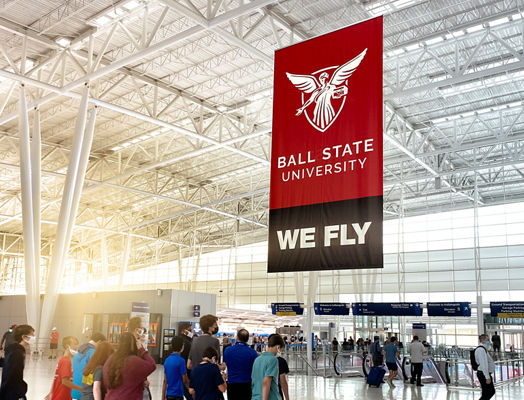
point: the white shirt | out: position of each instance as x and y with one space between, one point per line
484 360
417 351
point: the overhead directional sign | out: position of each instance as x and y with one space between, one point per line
287 309
461 309
507 309
388 309
331 308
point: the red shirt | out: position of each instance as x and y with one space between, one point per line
63 370
54 336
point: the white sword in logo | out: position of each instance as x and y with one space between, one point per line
323 92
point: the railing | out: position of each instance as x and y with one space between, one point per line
506 371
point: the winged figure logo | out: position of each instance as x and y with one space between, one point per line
324 90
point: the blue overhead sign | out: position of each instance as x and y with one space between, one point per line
419 326
462 309
398 309
287 309
507 309
331 308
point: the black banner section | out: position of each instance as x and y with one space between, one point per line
461 309
394 309
507 309
344 234
287 309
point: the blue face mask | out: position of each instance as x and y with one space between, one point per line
488 342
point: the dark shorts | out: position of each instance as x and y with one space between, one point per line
53 346
392 366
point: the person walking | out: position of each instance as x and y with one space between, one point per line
334 345
391 354
63 380
175 372
283 370
186 334
13 386
417 351
239 360
206 381
53 343
209 326
8 339
495 341
376 352
351 343
125 371
92 386
265 375
81 359
486 367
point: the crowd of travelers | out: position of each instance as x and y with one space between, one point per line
194 370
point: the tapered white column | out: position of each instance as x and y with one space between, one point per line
36 173
65 221
311 294
31 281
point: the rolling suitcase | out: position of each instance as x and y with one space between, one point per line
375 376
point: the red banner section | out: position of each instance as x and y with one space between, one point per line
326 166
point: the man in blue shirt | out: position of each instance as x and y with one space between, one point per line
391 354
239 360
175 373
265 375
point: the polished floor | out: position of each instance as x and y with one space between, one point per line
39 375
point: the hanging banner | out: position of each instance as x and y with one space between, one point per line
388 309
331 308
461 309
287 309
507 309
326 165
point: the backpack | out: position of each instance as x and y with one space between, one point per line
474 363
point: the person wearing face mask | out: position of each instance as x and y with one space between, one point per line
8 338
81 359
185 331
136 327
63 381
265 376
13 386
486 368
209 325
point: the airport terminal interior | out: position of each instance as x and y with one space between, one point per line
136 168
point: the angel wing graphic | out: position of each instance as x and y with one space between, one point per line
322 92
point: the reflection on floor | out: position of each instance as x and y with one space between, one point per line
39 375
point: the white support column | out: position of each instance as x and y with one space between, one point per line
123 270
80 177
58 259
311 294
103 256
31 281
36 173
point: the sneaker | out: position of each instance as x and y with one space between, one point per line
420 384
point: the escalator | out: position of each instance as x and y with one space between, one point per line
349 364
434 371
